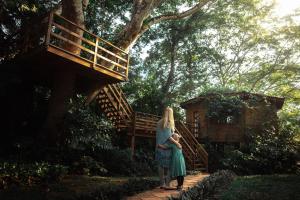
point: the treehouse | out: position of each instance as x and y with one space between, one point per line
231 127
55 47
55 44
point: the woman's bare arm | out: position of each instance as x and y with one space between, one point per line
162 146
175 142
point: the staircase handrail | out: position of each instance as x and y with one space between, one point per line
202 152
119 97
190 155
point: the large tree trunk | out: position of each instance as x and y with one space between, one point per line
132 31
171 76
64 78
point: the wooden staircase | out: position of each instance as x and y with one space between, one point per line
195 154
113 103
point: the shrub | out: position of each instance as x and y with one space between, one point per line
209 186
88 166
29 174
116 192
267 152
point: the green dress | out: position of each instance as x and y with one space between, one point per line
177 163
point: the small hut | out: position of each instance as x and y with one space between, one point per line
254 111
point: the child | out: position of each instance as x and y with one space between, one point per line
177 164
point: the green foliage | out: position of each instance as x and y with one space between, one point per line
116 192
83 188
268 152
88 166
84 128
15 17
209 186
275 187
119 162
29 174
220 107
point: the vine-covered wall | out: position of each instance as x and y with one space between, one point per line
227 118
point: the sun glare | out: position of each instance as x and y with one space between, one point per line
285 7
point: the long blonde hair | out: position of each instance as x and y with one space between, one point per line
167 120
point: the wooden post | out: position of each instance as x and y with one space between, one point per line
49 29
96 52
133 136
127 67
92 93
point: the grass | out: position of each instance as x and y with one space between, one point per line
77 187
265 187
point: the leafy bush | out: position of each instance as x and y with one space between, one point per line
145 162
116 192
88 166
267 187
29 174
209 186
84 128
267 152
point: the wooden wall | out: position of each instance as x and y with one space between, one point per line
201 109
253 117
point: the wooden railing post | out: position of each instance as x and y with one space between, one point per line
133 136
95 52
49 29
127 67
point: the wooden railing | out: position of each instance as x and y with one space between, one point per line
63 34
119 100
144 124
114 104
194 128
193 143
189 153
145 121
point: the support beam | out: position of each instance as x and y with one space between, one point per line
92 93
133 136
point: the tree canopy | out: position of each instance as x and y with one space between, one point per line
180 49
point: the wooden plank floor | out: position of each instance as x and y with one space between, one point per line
161 194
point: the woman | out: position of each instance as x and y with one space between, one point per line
177 165
164 130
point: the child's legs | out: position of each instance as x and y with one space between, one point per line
180 180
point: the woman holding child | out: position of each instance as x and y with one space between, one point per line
167 147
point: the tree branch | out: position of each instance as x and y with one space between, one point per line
175 16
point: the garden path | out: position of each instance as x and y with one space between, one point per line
160 194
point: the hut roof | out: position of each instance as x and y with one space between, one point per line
277 101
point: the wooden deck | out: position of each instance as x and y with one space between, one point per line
58 44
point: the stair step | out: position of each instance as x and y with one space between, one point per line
203 169
199 164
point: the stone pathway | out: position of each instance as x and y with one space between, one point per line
160 194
